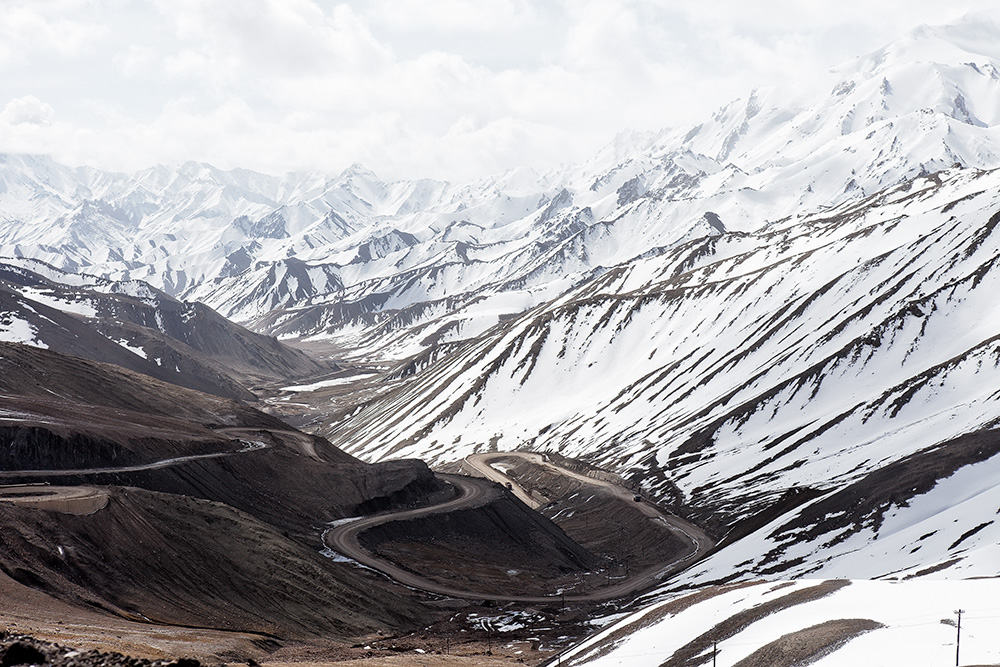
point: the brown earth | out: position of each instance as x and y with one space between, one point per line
500 547
26 610
181 557
79 500
227 545
186 344
694 653
809 644
29 372
18 649
176 560
105 416
46 434
607 526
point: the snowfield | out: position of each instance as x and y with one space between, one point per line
910 623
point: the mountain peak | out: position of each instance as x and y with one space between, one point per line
357 171
973 39
952 70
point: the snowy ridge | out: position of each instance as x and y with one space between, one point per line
358 253
731 369
780 322
756 317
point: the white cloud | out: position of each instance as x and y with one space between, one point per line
284 38
451 16
27 110
445 88
135 61
40 27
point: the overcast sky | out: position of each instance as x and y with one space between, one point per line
441 88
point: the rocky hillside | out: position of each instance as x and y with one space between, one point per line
778 322
138 327
182 555
159 503
733 369
176 560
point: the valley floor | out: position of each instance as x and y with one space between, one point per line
476 630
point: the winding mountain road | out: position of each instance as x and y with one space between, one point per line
473 492
249 446
700 542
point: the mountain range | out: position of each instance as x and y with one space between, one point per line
778 322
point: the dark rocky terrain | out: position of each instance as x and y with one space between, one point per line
18 649
199 511
138 327
502 546
176 560
612 528
177 554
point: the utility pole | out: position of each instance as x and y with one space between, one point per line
958 633
715 649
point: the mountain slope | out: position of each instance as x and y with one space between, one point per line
815 622
387 269
727 371
218 524
138 327
177 560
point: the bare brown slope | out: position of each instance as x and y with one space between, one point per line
107 417
183 561
286 488
181 556
32 372
75 335
809 644
187 344
60 412
499 546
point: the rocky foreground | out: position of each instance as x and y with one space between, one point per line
17 649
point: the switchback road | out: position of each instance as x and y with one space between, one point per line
474 492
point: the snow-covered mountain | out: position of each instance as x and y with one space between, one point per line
386 269
750 316
809 355
781 321
829 623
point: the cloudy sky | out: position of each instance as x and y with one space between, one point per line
442 88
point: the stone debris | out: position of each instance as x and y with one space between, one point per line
16 649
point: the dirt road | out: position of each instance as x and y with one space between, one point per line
475 492
79 500
700 542
249 446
